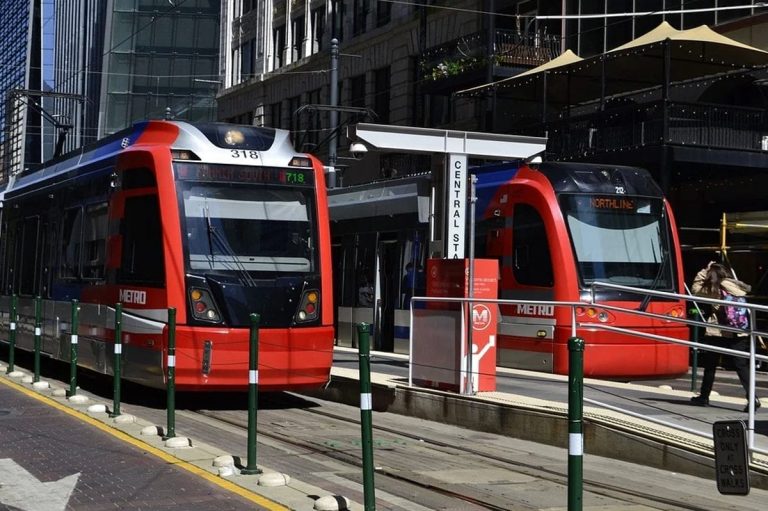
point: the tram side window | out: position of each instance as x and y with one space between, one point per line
94 241
71 235
11 237
5 258
532 264
28 259
142 257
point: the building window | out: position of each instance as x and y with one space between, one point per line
249 5
338 12
438 110
383 13
278 47
312 134
294 123
381 94
357 91
318 29
359 15
247 60
276 115
416 106
297 35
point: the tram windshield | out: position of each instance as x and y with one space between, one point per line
239 227
623 240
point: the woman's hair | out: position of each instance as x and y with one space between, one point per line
715 275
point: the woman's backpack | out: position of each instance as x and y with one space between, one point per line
734 315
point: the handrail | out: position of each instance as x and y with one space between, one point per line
751 355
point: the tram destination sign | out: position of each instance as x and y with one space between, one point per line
731 460
243 174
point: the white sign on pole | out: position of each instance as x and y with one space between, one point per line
456 206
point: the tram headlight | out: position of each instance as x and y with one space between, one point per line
308 306
594 313
202 305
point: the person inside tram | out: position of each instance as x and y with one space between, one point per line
365 292
718 281
412 284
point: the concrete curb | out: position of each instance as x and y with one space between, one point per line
295 495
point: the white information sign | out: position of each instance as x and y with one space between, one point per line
456 206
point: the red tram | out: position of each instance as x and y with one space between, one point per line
217 221
556 228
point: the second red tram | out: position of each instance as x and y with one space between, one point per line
556 229
217 221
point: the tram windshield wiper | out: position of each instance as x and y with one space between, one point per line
662 266
215 236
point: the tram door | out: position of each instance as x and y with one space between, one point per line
388 262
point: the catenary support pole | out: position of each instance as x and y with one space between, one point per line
38 336
12 318
73 349
366 419
575 423
333 115
118 361
170 430
253 392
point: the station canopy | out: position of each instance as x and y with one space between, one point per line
662 56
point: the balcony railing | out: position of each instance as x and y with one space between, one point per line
697 125
470 52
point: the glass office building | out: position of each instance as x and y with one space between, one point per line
22 61
137 59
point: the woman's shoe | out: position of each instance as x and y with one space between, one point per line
757 405
700 401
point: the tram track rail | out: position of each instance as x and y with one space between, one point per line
558 477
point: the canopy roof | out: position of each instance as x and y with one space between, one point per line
564 59
636 65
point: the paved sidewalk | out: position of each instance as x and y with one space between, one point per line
51 460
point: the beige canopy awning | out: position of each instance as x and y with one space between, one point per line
662 55
564 59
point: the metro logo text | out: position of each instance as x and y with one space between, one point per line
525 309
133 296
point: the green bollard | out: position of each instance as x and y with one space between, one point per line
253 389
575 423
171 383
38 336
366 419
117 369
12 319
73 350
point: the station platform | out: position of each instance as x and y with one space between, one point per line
56 455
652 423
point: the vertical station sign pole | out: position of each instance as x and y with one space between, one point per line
455 215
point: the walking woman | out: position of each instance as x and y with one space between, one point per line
716 281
